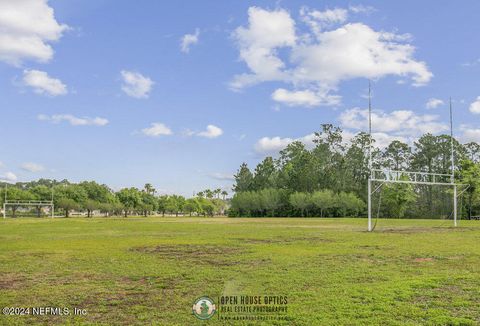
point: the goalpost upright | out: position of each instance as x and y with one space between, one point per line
408 177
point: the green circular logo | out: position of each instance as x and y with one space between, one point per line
204 308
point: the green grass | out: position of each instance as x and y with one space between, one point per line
150 270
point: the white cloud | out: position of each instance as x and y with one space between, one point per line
222 176
272 145
434 103
42 83
400 122
321 58
472 63
475 106
211 132
188 40
26 29
73 120
8 177
157 129
382 139
318 20
187 132
266 31
305 98
470 134
32 167
361 9
135 84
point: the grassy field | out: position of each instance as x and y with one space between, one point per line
129 271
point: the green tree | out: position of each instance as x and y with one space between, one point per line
130 199
70 197
271 199
243 179
191 206
175 204
396 198
149 202
265 175
397 156
224 194
323 200
149 189
162 204
67 204
300 201
470 175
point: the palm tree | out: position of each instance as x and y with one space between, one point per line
224 194
208 193
149 189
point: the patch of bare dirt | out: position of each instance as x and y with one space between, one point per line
422 260
200 254
285 240
12 281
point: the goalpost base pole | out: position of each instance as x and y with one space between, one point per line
4 211
369 205
455 205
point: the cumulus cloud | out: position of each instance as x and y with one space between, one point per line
272 145
188 40
8 177
318 20
258 43
470 134
157 129
222 176
475 106
306 98
135 84
42 83
73 120
32 167
400 122
27 27
434 103
211 132
323 56
361 9
383 139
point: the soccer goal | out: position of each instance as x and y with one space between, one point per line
380 177
39 204
14 204
447 191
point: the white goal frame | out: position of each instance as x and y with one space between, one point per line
25 203
408 177
41 203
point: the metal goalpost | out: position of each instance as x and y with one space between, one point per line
25 203
383 176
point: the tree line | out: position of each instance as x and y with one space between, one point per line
89 197
330 179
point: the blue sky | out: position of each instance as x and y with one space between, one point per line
180 93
